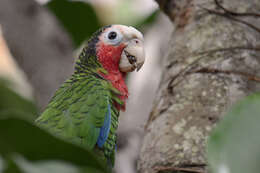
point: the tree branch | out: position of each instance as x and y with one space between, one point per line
235 13
215 71
227 15
172 168
188 69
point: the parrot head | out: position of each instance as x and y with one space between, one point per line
121 48
118 49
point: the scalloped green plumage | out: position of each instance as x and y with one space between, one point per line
77 111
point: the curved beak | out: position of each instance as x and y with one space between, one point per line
133 55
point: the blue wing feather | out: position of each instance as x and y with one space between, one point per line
104 130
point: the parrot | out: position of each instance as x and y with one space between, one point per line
86 107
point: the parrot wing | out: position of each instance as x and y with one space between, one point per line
80 111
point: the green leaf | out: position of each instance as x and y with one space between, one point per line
1 164
11 167
18 136
78 18
44 166
25 148
19 164
12 102
234 146
23 165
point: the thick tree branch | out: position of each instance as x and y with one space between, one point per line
211 64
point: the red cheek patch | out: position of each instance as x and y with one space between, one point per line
109 56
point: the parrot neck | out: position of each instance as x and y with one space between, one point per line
109 56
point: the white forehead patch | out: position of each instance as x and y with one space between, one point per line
129 32
123 34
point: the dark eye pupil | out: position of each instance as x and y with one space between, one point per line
112 35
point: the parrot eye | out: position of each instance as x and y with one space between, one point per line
113 37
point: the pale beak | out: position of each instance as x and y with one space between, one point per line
133 56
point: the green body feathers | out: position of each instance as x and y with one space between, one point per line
77 112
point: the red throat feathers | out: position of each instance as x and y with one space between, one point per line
109 56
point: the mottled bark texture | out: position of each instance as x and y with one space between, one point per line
39 45
212 62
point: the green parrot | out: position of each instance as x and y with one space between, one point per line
85 109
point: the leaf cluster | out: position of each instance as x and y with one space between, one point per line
26 148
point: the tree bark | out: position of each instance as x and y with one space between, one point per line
213 61
39 44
